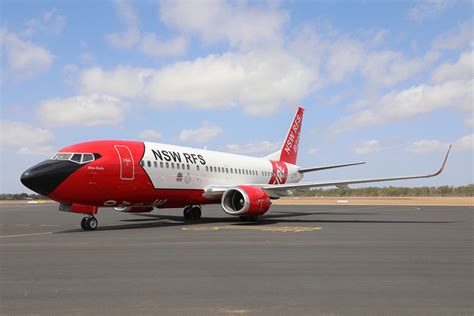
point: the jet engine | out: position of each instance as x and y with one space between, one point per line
245 201
133 209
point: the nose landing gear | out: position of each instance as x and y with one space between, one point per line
192 213
89 223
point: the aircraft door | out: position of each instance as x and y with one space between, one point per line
127 165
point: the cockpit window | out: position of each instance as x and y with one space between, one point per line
61 156
77 157
87 158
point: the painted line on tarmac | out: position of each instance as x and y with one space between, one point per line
26 235
279 229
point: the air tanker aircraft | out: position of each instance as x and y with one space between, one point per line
136 177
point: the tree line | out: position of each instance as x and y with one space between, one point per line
442 191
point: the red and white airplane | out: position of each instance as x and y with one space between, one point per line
135 177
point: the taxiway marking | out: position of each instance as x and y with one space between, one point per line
279 229
26 235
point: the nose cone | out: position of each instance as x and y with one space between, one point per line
46 176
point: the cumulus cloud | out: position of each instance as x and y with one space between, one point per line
123 40
51 22
260 83
425 9
150 135
203 134
24 60
408 103
154 47
26 138
370 146
455 39
90 110
464 143
240 24
253 148
463 69
425 146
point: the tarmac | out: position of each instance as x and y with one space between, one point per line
297 260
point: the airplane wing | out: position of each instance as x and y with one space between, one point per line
304 170
288 189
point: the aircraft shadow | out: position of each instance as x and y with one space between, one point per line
156 221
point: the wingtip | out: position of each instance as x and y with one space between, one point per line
444 161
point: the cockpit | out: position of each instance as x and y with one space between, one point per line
79 158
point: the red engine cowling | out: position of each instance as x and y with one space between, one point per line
134 209
245 200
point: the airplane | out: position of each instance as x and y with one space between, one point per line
137 177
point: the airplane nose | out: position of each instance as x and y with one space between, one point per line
46 176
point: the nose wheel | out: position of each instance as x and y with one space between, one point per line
89 223
192 213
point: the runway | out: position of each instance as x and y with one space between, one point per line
297 260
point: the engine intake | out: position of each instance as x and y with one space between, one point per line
245 201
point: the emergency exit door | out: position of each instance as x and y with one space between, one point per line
127 166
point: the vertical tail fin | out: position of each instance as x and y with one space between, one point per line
289 150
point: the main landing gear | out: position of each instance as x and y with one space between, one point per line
89 223
192 213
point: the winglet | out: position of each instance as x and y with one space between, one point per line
444 162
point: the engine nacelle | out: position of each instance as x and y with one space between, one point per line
245 200
133 209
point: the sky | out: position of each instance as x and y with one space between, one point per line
385 82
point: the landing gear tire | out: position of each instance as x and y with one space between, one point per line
192 213
196 213
89 223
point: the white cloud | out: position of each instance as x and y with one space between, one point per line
426 146
370 146
91 110
203 134
345 57
463 69
127 39
28 139
425 9
455 39
253 148
154 47
239 24
150 135
24 60
408 103
49 23
465 143
259 82
127 13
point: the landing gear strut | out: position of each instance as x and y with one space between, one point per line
192 213
89 223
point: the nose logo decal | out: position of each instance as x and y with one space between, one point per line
280 173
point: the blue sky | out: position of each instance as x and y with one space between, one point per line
389 83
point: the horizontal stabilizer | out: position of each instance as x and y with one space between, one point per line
303 170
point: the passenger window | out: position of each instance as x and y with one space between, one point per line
197 167
172 165
177 166
167 165
188 167
155 164
142 163
149 163
207 169
231 170
161 164
183 166
227 170
87 158
76 158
